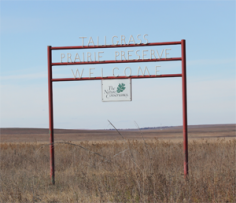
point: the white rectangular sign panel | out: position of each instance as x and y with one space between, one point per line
116 90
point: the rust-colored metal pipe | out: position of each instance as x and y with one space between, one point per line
116 46
50 102
118 77
116 61
184 98
184 87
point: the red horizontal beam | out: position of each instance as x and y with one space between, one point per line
118 77
115 61
116 46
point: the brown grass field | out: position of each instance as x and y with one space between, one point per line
101 166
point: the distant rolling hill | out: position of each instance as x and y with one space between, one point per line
167 132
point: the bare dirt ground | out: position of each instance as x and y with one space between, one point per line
195 132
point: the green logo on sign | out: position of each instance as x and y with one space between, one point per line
121 87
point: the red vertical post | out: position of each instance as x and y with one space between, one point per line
184 98
50 102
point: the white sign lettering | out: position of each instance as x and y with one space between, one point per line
115 72
118 55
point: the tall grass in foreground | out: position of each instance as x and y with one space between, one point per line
132 171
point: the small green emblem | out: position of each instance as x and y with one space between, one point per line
121 87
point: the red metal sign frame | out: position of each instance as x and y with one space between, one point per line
51 80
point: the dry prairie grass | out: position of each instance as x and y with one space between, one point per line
227 131
128 171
